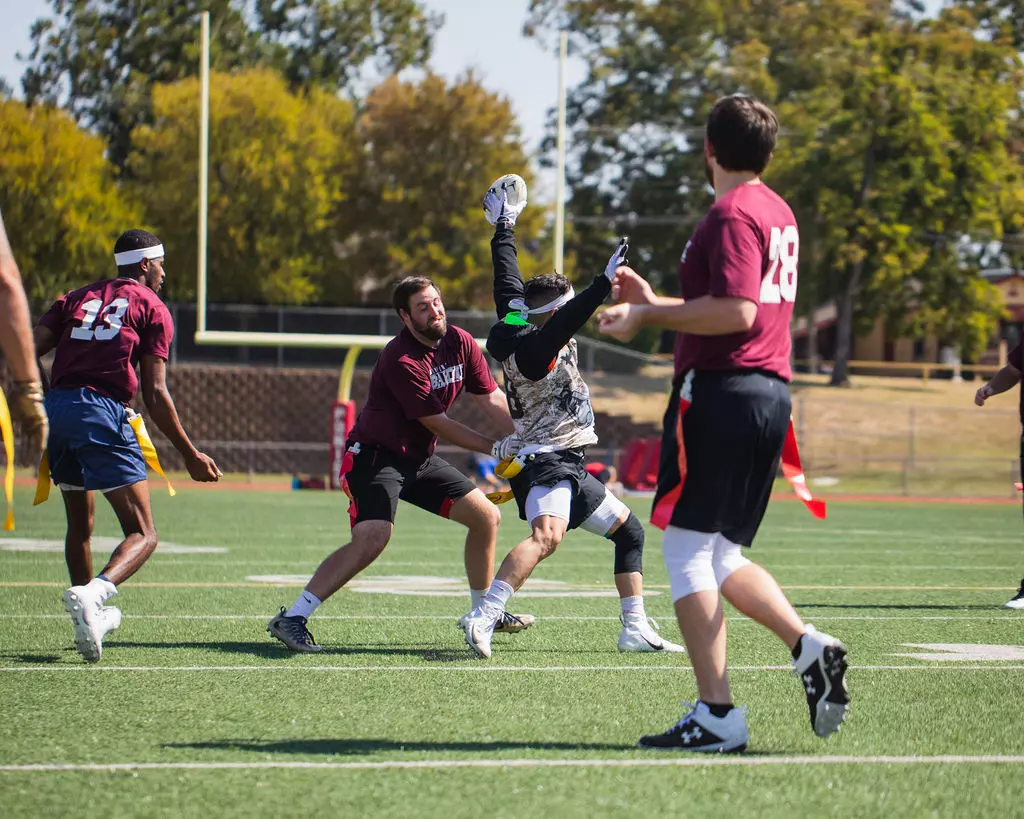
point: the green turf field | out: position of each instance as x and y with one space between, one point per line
194 711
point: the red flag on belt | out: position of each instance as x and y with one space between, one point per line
791 468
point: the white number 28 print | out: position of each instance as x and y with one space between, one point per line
783 251
110 316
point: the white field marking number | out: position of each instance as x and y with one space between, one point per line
783 252
110 316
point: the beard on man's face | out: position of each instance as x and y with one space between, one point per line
433 329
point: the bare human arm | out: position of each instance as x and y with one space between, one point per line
705 316
1005 379
459 434
25 399
158 401
495 406
16 328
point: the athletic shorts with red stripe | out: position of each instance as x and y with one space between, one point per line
377 479
725 452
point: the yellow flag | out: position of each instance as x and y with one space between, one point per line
148 450
145 444
7 430
42 480
499 498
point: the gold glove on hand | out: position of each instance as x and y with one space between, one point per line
25 400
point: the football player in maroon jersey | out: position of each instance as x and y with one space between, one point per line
726 424
101 333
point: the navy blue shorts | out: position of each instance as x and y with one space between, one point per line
91 443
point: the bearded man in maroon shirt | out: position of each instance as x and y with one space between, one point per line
390 455
726 424
101 333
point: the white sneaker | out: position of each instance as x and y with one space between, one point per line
700 730
639 634
86 609
111 619
507 623
1016 602
478 626
821 667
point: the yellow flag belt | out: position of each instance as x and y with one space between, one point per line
145 444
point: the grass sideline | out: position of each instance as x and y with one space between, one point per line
391 719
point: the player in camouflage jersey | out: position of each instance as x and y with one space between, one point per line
550 406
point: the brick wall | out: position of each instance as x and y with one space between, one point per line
265 419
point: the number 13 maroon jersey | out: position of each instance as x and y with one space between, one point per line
103 330
745 247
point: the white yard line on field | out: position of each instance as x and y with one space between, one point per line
435 764
445 615
187 584
446 667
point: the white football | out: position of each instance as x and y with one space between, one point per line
514 186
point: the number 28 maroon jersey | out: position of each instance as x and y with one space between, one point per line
746 247
103 330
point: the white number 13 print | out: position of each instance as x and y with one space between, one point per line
110 316
783 251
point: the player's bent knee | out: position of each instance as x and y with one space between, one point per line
629 546
688 559
727 558
371 536
548 533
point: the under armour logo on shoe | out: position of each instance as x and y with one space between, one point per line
690 736
809 684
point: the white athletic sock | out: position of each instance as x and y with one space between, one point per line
633 608
104 587
497 595
477 596
304 606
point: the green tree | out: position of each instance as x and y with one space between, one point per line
100 59
430 150
279 167
894 144
62 207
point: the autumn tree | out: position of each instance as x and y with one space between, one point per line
60 202
280 165
100 60
429 152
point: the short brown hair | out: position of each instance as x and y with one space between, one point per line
742 132
407 288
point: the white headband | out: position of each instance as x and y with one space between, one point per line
136 256
519 305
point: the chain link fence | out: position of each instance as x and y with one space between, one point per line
594 354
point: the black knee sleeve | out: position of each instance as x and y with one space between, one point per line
629 546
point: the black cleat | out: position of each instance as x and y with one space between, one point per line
700 730
293 633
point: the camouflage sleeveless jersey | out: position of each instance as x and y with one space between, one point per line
556 410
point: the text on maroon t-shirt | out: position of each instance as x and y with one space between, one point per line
745 247
102 330
412 381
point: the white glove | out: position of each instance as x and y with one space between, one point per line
618 258
506 447
496 206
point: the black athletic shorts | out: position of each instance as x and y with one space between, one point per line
378 478
732 437
550 468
